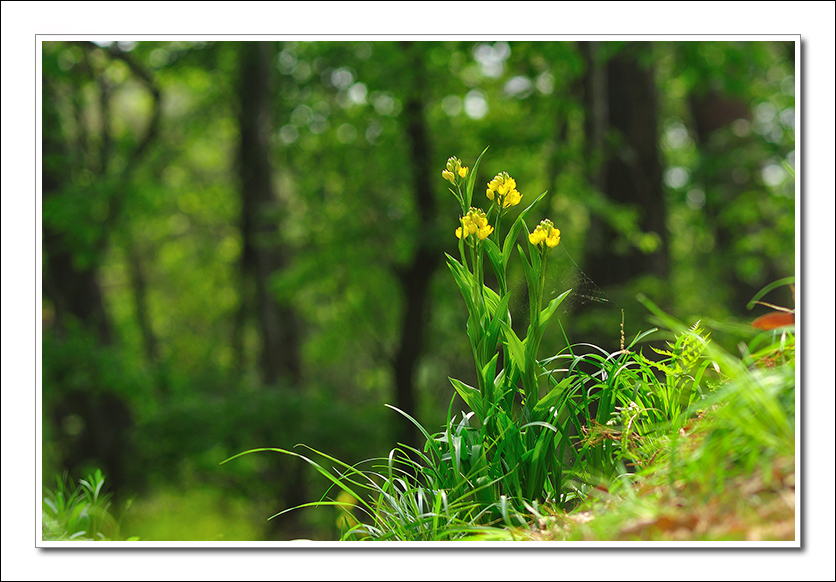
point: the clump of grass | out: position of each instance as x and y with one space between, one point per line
78 512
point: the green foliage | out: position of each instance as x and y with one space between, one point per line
79 513
725 474
683 368
753 410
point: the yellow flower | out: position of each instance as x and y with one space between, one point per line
454 168
545 232
474 222
503 190
484 232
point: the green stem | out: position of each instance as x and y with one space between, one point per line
503 290
542 287
533 338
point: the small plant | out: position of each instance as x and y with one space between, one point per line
78 513
683 368
516 452
488 465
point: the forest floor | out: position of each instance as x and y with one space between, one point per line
759 507
755 505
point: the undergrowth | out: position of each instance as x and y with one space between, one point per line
552 445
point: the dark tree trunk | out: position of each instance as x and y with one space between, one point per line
622 132
263 256
71 286
713 111
139 285
416 275
263 253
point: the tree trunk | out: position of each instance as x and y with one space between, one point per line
711 111
263 256
622 131
416 275
263 253
71 286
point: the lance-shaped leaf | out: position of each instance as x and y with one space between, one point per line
547 313
471 396
552 398
521 359
495 257
471 180
465 282
488 372
491 299
516 347
493 329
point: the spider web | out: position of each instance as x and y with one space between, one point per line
563 273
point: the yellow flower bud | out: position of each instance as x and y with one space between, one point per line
545 232
454 168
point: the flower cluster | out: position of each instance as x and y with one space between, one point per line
474 222
503 190
454 168
545 232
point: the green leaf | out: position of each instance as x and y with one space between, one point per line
465 282
495 257
488 374
527 267
471 396
471 179
516 347
552 398
413 421
491 299
500 314
641 336
540 423
547 313
768 288
338 481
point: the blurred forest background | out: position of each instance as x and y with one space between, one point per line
243 242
